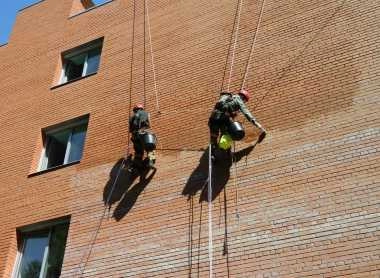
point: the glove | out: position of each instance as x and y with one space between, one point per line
262 135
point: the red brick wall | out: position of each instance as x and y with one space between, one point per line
308 196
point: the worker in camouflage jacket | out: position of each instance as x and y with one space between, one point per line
225 110
139 125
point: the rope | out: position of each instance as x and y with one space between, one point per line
229 46
242 86
236 186
182 149
144 96
131 67
95 235
253 45
234 45
93 239
151 56
210 247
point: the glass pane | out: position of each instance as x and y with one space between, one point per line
93 61
74 66
56 149
77 143
57 250
33 254
99 2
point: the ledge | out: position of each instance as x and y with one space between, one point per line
90 9
73 80
31 5
4 44
53 169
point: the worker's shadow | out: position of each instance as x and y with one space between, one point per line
118 187
198 179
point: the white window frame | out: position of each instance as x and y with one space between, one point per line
36 228
80 50
63 74
42 165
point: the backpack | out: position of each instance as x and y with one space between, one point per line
225 104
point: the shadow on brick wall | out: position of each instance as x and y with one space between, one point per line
118 187
198 179
195 231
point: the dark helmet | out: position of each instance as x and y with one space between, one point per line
244 93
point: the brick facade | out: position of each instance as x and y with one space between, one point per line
308 196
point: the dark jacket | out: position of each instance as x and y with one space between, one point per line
139 121
229 104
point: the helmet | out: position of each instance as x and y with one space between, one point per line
245 94
138 107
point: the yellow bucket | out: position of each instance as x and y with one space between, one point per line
225 142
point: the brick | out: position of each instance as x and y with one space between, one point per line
307 196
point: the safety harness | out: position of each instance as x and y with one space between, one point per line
226 106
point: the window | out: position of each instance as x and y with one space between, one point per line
41 250
81 61
63 144
100 2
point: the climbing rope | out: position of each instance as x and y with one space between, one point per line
242 85
209 193
253 45
235 34
229 45
144 82
236 186
240 4
95 234
151 55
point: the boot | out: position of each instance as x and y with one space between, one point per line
262 136
152 159
151 163
137 165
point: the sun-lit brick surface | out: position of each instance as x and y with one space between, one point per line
308 196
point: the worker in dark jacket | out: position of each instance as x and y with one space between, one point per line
225 110
139 126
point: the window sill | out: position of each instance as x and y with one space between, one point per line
53 168
31 5
90 9
73 80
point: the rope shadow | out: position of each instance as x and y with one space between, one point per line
225 243
116 184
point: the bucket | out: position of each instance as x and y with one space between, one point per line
149 141
236 131
225 142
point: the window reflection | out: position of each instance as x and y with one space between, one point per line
33 254
42 252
